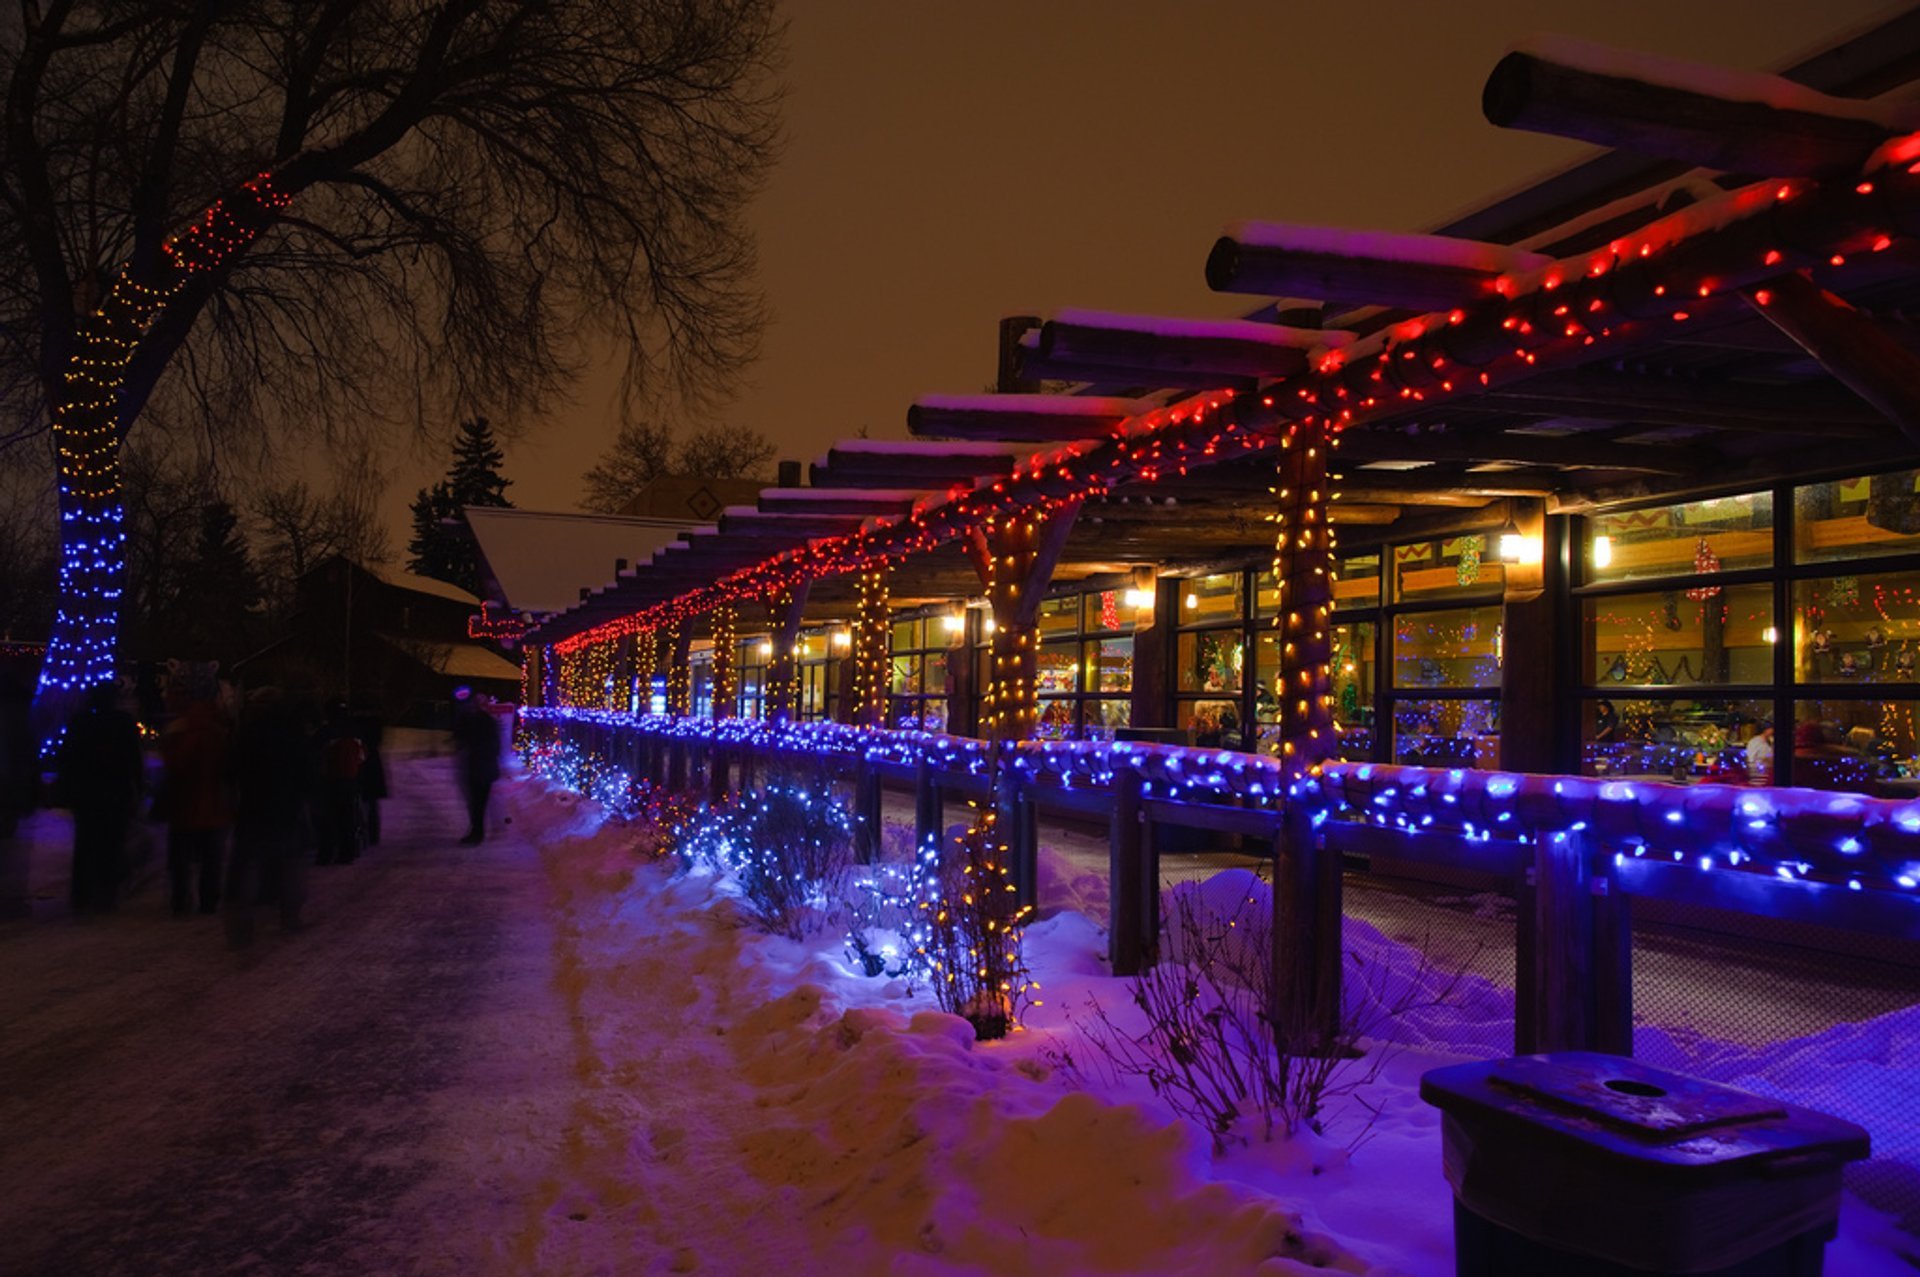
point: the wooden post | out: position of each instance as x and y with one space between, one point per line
872 637
868 817
1152 657
1307 886
1133 927
928 812
1612 962
1015 557
1532 683
1565 1016
785 609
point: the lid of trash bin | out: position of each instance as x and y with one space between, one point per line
1612 1106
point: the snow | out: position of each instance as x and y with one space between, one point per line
1279 335
1390 246
607 1069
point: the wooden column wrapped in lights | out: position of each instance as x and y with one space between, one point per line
1015 555
784 611
872 636
653 653
726 690
679 697
1306 896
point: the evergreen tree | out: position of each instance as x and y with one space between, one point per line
219 589
474 479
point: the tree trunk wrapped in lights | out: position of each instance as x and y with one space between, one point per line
92 408
872 636
680 671
1306 897
726 640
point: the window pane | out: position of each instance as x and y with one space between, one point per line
1108 610
1356 580
907 635
1855 518
1210 724
933 673
1058 668
1109 665
1060 615
1103 717
1727 741
1459 647
1857 629
1867 746
1210 661
1449 568
933 714
1655 640
1447 733
1724 534
1210 598
1056 719
906 676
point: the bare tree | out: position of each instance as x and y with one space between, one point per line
227 219
298 527
645 450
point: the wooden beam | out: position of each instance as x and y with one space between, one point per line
792 527
1035 366
1445 487
873 503
854 464
1859 352
1155 347
1547 450
1414 272
1763 124
1019 418
1678 401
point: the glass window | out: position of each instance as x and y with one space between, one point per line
1210 661
1868 746
906 676
1695 537
1447 733
1857 629
1447 568
1723 740
1705 634
1056 720
1060 615
1458 647
1211 723
1057 669
1356 580
907 634
1109 665
1108 610
1857 518
1210 598
1105 717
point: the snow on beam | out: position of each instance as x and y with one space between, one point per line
1363 268
1019 418
1150 346
751 522
1733 121
866 463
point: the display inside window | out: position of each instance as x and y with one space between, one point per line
1210 661
1728 741
1866 746
1454 647
1692 538
1105 611
1449 567
1057 719
1356 580
1108 665
1698 634
1105 718
1447 733
1211 723
927 714
1857 518
1857 629
907 675
1058 669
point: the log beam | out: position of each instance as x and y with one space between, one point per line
1412 272
1859 352
1152 347
909 466
1019 418
1753 123
867 503
1545 450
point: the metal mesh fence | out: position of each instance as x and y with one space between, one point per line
1828 1021
1464 936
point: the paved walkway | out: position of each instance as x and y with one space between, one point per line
320 1106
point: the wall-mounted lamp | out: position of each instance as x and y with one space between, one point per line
1602 551
1511 545
843 639
1138 598
766 647
953 622
1770 634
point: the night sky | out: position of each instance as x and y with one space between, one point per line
949 164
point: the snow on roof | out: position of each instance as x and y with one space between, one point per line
542 559
459 660
1714 81
421 584
1392 246
1215 329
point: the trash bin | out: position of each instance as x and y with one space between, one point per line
1579 1164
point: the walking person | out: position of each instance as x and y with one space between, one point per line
19 790
476 739
341 758
271 785
198 808
373 774
100 778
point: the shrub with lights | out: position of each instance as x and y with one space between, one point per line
789 848
969 935
885 925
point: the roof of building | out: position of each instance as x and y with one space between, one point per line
538 560
456 660
419 584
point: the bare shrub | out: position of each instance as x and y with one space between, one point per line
970 930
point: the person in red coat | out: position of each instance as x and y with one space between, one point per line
196 802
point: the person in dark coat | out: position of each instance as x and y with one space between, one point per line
373 775
271 782
198 809
100 780
476 738
338 819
